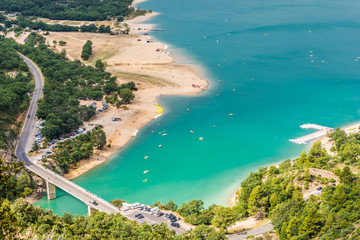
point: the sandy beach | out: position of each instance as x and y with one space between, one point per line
135 57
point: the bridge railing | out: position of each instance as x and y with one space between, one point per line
78 187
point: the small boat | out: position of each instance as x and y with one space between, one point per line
160 145
191 131
164 134
188 109
146 171
231 114
145 180
146 157
201 138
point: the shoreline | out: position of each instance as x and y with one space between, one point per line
325 142
142 109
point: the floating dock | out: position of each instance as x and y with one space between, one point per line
322 132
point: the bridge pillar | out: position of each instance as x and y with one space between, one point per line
51 190
90 209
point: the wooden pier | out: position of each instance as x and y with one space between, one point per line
322 132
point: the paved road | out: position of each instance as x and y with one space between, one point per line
24 145
255 232
25 140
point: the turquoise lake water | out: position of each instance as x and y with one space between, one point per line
279 86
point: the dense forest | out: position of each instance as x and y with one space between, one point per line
15 84
87 10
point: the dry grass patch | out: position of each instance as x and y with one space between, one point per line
143 78
103 54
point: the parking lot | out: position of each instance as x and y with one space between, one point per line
154 218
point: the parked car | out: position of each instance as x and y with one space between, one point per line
139 216
175 224
140 221
319 188
333 184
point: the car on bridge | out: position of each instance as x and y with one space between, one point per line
95 203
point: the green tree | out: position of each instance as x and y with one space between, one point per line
204 232
339 136
192 207
338 199
100 65
35 146
257 200
284 211
307 176
274 201
25 213
126 95
86 50
346 175
312 223
51 131
170 205
224 217
8 187
62 43
8 222
117 202
98 138
23 181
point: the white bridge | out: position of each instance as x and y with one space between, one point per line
322 132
